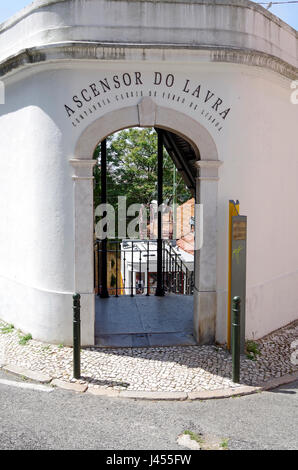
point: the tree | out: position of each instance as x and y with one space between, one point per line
132 169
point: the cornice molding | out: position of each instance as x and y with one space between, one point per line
208 163
208 169
75 51
83 169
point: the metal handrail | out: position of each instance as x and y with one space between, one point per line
133 273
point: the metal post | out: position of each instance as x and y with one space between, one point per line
98 267
159 288
175 276
95 265
181 277
148 254
174 228
236 339
167 267
171 270
124 273
104 260
76 336
163 265
131 272
117 269
233 210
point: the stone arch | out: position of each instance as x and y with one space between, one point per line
148 114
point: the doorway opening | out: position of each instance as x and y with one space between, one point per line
144 197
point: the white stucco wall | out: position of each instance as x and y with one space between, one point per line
237 24
261 171
256 143
36 212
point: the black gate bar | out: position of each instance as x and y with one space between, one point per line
159 288
104 260
177 277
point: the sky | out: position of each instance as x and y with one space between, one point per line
288 13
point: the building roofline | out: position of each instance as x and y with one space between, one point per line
240 32
39 4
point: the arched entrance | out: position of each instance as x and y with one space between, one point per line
148 114
78 71
144 257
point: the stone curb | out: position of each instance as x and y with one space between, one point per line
35 376
284 380
178 396
203 395
223 393
103 392
75 387
242 390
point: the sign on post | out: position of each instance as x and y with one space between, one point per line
238 268
233 210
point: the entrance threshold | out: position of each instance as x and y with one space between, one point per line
142 321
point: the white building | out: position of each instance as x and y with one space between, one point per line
139 268
220 74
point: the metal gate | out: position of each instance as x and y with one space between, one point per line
130 268
145 267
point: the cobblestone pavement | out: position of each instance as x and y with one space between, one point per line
183 368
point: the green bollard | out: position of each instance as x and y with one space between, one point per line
236 339
76 336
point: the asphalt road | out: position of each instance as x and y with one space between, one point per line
34 419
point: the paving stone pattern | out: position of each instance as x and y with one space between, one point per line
161 369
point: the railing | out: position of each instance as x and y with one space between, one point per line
132 268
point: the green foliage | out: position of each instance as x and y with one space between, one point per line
225 444
252 350
132 170
194 436
7 329
23 339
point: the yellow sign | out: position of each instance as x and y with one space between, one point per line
234 207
